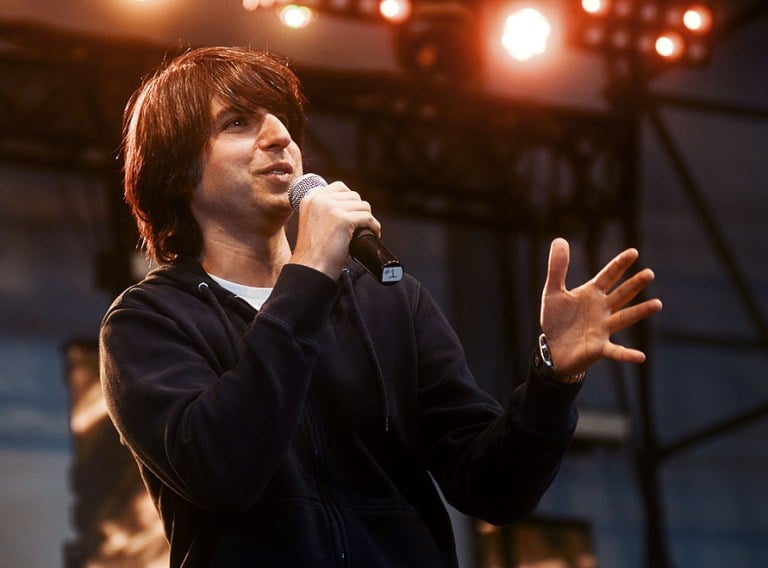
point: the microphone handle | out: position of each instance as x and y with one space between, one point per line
366 248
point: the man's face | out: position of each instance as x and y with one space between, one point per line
247 166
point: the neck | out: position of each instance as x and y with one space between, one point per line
252 264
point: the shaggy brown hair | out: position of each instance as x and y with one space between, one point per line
167 123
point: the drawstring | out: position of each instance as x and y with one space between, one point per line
206 291
358 318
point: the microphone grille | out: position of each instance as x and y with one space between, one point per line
303 186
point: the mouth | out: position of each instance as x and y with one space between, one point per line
278 169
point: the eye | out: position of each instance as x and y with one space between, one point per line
236 122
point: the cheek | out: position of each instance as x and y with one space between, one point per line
223 163
215 173
209 179
297 160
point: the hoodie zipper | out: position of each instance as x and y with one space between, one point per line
333 514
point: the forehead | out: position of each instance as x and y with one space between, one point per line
219 106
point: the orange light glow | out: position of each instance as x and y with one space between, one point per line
623 8
252 5
595 7
670 46
296 17
698 19
395 11
526 34
649 12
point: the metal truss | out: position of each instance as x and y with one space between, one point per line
62 94
429 149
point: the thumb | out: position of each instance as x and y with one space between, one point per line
559 259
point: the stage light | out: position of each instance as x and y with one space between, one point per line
623 8
649 12
646 43
439 40
698 19
252 5
395 11
595 7
621 39
594 35
670 46
439 51
698 52
674 31
526 33
295 17
367 8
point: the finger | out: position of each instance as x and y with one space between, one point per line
623 354
319 195
342 193
633 314
340 197
557 266
615 269
364 220
338 186
629 290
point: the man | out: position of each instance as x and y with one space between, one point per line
284 408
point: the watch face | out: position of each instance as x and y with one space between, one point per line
546 356
542 361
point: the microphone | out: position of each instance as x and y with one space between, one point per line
365 247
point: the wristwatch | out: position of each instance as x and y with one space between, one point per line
542 360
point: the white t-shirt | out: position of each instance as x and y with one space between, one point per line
251 294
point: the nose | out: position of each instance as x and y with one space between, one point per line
274 133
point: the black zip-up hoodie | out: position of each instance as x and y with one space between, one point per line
305 434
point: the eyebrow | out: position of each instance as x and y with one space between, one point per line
223 113
230 109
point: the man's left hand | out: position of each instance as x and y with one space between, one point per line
579 323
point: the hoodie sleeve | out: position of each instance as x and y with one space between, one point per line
214 436
491 463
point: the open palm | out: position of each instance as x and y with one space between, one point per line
579 323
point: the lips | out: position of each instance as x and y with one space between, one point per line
278 169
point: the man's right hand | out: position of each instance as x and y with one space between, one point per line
328 217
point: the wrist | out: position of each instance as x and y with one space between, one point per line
321 264
545 365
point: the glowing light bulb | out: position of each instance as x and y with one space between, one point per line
252 5
698 19
296 17
670 46
395 11
526 34
594 7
